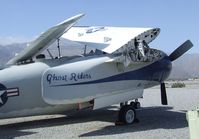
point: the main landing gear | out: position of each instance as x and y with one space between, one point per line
135 104
127 113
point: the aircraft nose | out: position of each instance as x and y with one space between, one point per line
166 67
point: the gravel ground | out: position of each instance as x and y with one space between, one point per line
156 121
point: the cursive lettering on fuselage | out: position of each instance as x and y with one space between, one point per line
54 77
79 76
70 77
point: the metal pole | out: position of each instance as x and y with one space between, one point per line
59 53
85 49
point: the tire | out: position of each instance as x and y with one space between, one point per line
127 114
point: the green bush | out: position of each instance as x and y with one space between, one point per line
178 85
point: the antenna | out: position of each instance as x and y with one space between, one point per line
59 53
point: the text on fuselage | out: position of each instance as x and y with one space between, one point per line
70 77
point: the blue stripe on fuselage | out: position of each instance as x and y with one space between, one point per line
157 71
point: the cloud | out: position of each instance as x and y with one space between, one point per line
12 39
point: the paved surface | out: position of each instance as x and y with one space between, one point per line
156 121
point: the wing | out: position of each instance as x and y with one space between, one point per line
110 39
45 40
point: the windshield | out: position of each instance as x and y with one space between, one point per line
66 49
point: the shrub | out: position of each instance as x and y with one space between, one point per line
178 85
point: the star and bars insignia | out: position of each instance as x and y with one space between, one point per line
7 92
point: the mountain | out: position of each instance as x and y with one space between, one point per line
183 68
9 51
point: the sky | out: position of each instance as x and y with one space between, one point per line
24 20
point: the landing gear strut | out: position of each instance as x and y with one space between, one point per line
135 104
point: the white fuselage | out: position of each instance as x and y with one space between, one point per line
52 86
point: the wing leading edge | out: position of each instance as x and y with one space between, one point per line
45 40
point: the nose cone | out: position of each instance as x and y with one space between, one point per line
166 67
